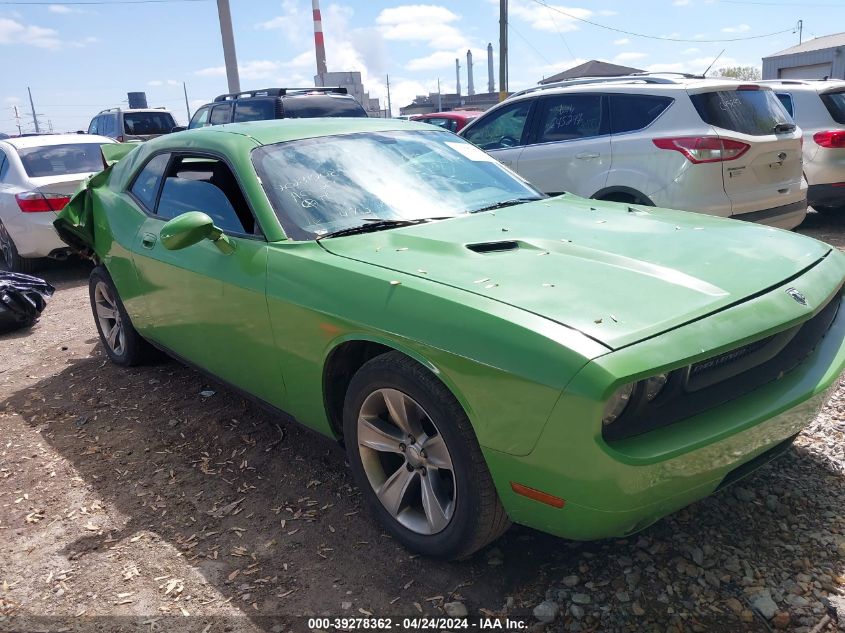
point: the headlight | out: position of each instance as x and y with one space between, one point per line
654 385
617 402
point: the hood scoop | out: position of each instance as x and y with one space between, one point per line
494 247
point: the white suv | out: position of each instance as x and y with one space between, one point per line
818 106
713 146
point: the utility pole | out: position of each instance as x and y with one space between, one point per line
439 100
34 117
503 49
187 107
18 120
231 60
800 31
389 106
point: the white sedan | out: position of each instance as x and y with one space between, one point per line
38 175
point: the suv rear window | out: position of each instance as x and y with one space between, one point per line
147 123
835 104
58 160
308 106
754 112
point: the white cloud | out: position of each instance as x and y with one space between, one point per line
446 59
253 69
154 82
551 19
621 42
690 51
13 32
696 65
742 28
294 23
59 8
682 3
172 82
629 57
431 24
12 100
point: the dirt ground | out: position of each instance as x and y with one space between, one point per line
128 499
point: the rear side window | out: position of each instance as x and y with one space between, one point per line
629 113
786 101
108 125
145 187
569 116
58 160
94 126
308 106
148 122
835 104
258 110
200 118
446 124
502 128
221 114
754 112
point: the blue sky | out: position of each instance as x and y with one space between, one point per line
79 59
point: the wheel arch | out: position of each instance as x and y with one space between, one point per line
637 197
348 354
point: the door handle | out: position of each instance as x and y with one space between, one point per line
149 240
586 155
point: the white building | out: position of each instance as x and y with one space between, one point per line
351 80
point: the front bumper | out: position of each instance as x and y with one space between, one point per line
830 195
615 489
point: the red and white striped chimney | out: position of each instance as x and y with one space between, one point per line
319 44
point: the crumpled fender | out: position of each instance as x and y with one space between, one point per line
75 223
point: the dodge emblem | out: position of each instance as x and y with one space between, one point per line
792 292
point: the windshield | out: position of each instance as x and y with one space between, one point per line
141 123
58 160
323 185
754 112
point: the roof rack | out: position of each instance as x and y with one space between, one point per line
279 92
109 110
580 81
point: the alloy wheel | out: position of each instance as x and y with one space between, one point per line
406 461
108 316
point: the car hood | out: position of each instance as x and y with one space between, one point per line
617 273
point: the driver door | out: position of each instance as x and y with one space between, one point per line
207 307
502 133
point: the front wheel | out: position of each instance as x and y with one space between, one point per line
414 454
123 345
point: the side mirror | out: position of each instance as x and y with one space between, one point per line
178 128
190 228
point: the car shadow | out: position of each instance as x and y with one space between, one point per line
234 489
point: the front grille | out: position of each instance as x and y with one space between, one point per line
714 381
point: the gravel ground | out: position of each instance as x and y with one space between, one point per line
128 493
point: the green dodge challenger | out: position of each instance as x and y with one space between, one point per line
486 354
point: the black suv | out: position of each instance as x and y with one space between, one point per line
277 103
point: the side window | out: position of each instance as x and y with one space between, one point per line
146 185
570 116
200 118
439 122
92 128
502 128
634 112
255 110
786 100
221 114
107 126
199 183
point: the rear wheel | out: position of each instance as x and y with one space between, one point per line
414 454
123 345
10 257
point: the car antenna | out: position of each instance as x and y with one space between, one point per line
704 74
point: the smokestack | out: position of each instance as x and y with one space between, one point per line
319 44
490 87
458 77
470 85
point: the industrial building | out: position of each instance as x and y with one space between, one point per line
351 80
820 58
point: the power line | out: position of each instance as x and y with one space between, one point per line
527 41
658 37
552 18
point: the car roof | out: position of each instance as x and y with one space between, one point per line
812 85
55 139
452 113
281 130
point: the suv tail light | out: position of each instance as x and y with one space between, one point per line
832 139
704 149
36 202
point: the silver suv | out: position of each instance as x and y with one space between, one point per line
818 106
714 146
132 125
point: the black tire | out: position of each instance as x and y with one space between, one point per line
10 258
478 516
131 349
